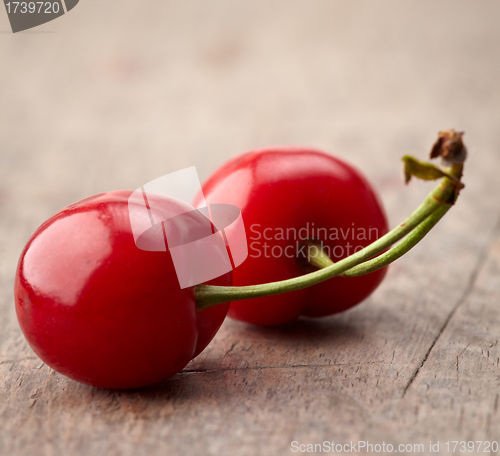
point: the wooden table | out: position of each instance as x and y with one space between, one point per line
115 94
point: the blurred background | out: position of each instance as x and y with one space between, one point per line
117 93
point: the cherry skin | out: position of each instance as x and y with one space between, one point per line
99 310
281 191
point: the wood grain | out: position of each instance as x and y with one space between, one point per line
122 93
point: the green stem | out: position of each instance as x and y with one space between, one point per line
442 197
399 250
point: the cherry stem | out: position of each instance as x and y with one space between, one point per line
413 230
322 260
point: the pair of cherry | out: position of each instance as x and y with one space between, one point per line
99 310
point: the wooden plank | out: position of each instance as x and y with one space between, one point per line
148 91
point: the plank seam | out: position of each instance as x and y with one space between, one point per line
290 366
483 256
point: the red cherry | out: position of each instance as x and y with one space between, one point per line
280 192
99 310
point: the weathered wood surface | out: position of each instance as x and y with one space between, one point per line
124 92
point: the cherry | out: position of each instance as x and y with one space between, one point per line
98 303
288 194
99 310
